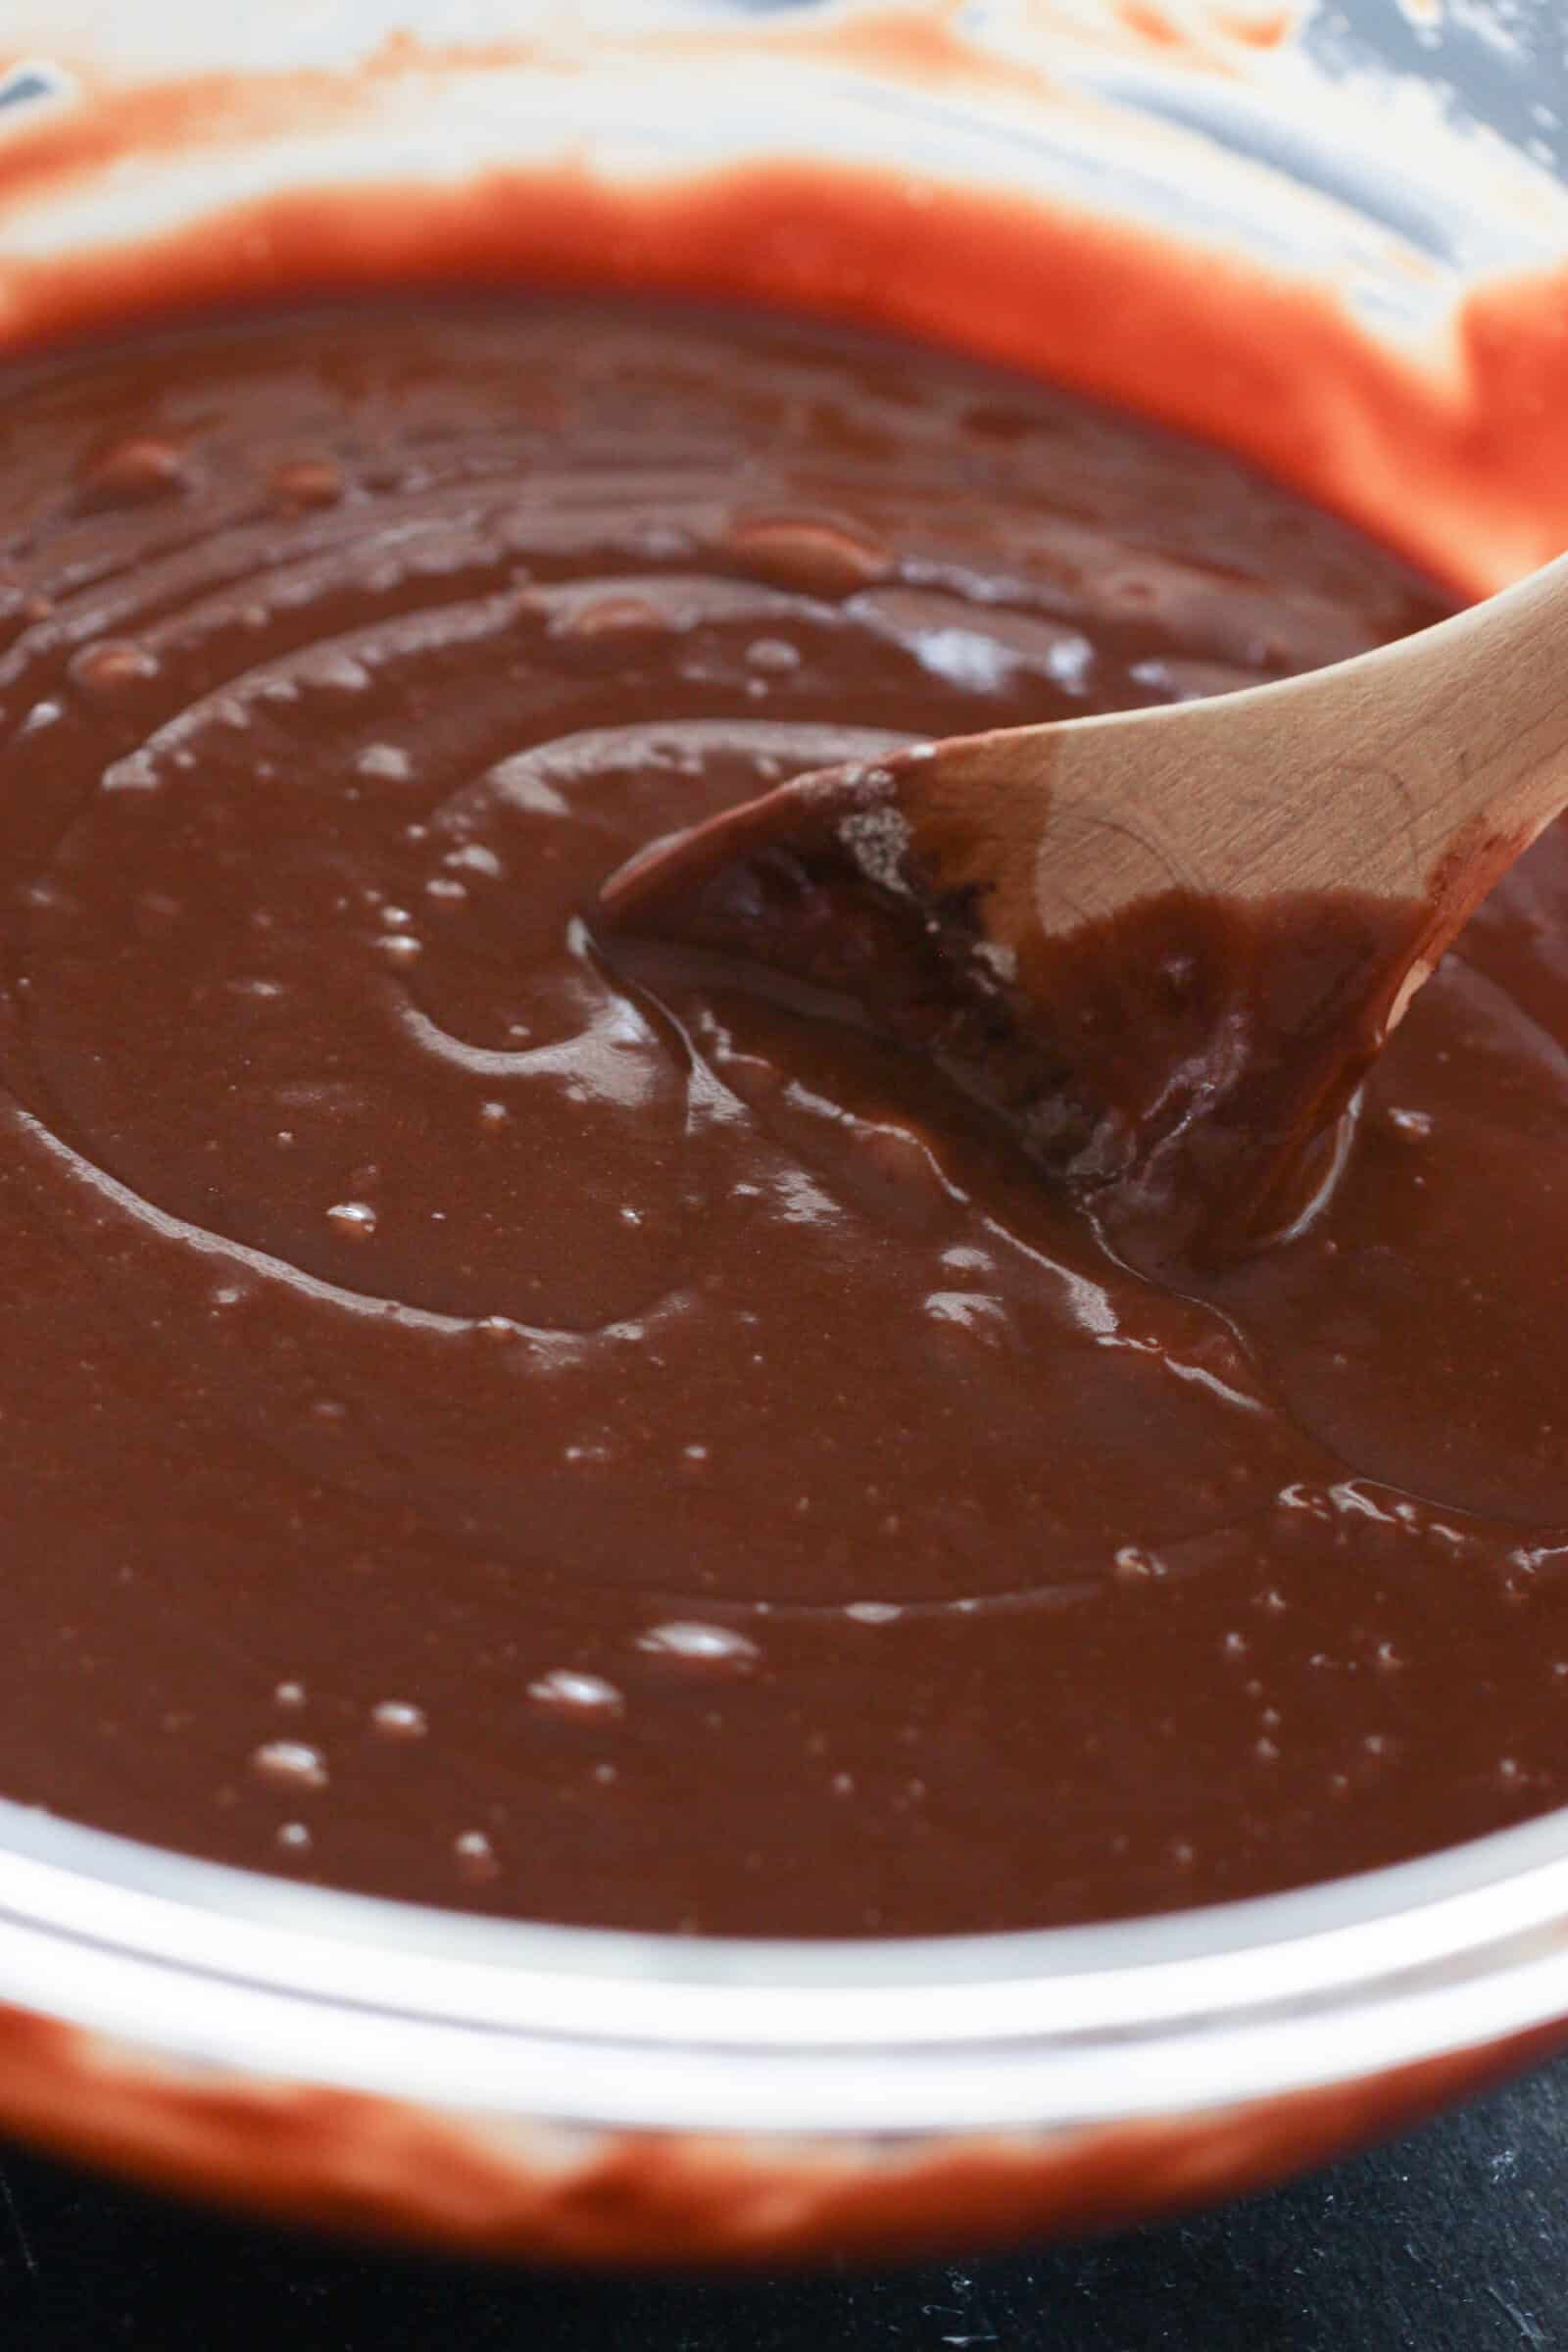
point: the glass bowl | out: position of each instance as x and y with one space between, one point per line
623 2097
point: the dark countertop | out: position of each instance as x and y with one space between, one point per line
1455 2240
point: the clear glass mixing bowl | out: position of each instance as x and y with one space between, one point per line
620 2096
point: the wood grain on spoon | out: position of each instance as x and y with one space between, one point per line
1164 944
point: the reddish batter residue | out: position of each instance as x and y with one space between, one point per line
1452 446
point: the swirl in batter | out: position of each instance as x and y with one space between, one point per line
474 1430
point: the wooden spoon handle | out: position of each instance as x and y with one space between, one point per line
1419 772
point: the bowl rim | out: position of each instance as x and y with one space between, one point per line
195 1961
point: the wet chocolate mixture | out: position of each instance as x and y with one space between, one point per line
475 1429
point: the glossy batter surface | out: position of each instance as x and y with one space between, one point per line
475 1430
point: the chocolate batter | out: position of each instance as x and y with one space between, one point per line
1184 1067
476 1429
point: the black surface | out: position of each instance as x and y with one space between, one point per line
1455 2240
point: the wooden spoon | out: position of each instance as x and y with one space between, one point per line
1164 944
